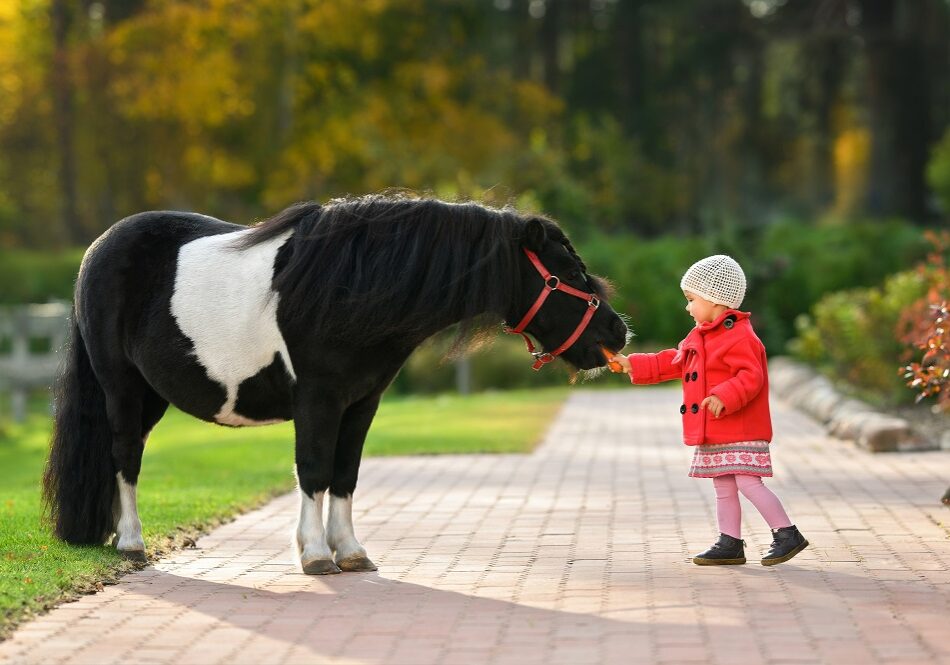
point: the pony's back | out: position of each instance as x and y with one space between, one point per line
377 267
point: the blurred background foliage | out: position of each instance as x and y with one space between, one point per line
808 138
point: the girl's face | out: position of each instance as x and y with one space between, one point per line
701 309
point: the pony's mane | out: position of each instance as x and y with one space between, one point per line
379 266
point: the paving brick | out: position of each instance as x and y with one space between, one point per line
577 553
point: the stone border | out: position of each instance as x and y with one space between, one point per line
843 417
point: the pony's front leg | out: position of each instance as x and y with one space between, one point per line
315 555
349 554
316 422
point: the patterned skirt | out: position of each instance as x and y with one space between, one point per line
744 457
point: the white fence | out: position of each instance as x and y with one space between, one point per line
23 369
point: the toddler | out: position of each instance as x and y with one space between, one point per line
725 407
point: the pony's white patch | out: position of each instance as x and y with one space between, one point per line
237 420
340 536
311 537
223 302
129 527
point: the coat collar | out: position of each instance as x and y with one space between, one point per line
693 339
720 321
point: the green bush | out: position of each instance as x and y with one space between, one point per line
852 336
789 266
37 277
646 275
501 363
796 266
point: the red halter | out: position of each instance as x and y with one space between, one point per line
552 283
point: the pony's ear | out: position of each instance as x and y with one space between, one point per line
534 235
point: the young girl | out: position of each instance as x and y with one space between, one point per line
725 407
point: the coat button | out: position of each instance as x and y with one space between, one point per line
695 376
686 378
682 408
694 408
729 322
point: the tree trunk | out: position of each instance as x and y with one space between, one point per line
524 42
898 106
631 70
64 118
551 46
826 58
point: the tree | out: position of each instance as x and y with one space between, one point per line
61 80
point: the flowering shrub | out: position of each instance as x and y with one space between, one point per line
850 335
925 325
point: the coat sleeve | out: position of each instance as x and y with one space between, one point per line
647 368
744 360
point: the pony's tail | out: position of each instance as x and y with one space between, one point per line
79 483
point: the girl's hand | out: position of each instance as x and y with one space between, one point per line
714 404
623 361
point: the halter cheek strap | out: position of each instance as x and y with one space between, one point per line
552 283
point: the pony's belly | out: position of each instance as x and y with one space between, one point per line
235 419
263 399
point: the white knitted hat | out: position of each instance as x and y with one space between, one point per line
718 279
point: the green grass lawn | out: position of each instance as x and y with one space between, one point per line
194 475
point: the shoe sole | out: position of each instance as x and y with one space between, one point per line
718 562
783 559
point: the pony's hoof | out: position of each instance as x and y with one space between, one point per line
356 563
135 556
320 567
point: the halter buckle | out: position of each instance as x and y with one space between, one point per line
593 302
541 359
557 282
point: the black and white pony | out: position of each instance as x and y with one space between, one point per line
307 316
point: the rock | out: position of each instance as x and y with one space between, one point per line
879 434
822 401
843 417
846 418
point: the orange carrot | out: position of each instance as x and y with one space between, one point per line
611 363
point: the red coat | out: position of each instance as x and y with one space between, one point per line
724 358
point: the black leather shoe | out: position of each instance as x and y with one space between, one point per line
726 552
786 543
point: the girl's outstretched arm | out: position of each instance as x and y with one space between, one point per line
648 368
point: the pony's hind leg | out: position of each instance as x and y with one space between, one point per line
128 531
133 410
348 553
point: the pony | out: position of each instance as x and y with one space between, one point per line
307 316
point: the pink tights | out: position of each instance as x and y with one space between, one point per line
760 496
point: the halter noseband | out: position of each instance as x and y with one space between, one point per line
552 283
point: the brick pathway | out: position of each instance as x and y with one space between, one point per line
578 553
